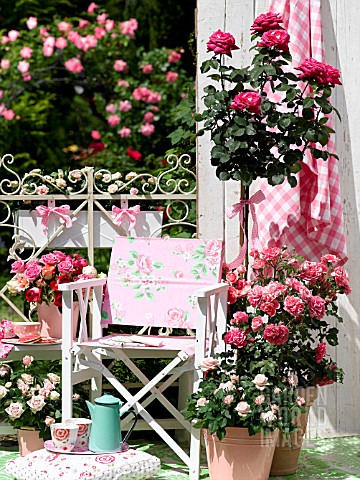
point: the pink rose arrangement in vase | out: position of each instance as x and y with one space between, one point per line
38 279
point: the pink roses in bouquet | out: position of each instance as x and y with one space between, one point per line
38 279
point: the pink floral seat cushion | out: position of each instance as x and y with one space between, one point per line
44 465
152 281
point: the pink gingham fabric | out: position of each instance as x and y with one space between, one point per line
308 217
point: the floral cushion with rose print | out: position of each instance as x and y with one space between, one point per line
152 281
44 465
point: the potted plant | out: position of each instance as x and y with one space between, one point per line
30 398
278 328
38 281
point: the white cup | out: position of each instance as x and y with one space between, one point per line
83 434
64 436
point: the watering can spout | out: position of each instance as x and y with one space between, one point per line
91 408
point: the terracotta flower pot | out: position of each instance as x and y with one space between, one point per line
240 456
29 441
51 320
286 456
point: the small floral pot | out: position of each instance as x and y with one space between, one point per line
286 456
51 320
240 456
29 441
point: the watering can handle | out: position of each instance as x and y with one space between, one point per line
133 411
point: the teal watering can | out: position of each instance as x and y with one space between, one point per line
105 433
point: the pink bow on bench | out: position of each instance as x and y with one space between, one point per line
238 208
119 214
62 212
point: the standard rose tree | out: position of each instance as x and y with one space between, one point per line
264 118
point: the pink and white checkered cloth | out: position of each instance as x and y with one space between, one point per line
308 217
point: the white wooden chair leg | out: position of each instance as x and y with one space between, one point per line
96 387
195 445
67 356
185 389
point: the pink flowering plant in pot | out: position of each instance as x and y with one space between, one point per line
30 395
38 279
277 335
265 117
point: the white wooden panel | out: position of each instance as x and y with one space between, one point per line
210 191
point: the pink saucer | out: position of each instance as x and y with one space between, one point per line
49 445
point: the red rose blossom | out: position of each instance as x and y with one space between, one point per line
221 42
256 323
277 39
232 295
322 73
276 334
294 305
320 352
267 21
235 337
249 101
317 307
33 294
134 154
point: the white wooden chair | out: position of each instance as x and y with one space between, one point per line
153 282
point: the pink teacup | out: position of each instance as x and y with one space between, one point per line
84 424
64 436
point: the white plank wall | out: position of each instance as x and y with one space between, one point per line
336 411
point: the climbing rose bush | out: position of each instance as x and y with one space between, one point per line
123 94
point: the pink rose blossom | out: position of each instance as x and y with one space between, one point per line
249 101
256 323
171 77
129 27
123 83
134 191
209 363
32 272
5 64
313 271
26 52
1 94
243 409
9 115
320 352
148 117
23 66
300 401
4 39
276 334
50 259
240 317
31 23
99 33
111 108
120 65
113 120
267 21
277 390
270 254
15 410
294 305
95 134
92 7
322 73
236 337
44 32
17 267
201 402
317 307
83 23
64 26
305 293
59 255
232 295
277 39
260 381
125 106
65 266
101 19
125 132
109 25
259 400
61 43
49 421
269 308
90 42
48 51
74 65
13 35
228 399
174 57
221 42
328 258
341 276
231 277
147 130
147 68
36 403
27 360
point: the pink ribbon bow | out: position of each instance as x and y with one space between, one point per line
62 212
119 214
239 208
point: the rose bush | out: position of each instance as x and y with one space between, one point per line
264 118
122 96
30 395
277 335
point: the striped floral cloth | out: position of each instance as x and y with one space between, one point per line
308 217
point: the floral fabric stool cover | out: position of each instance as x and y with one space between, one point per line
43 465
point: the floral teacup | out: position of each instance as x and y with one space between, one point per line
64 436
84 424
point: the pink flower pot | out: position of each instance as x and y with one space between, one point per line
51 320
240 456
286 456
29 441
